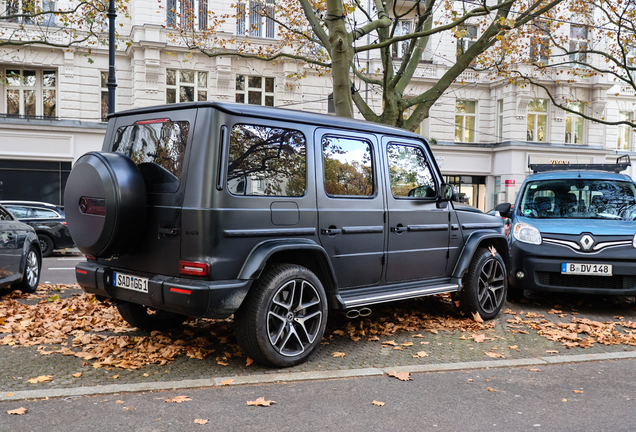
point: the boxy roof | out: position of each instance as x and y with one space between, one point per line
278 114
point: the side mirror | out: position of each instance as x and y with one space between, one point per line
447 192
504 209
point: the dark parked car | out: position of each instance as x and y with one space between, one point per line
47 219
574 230
276 216
20 256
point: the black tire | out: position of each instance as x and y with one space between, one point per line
485 285
46 245
145 318
32 270
105 204
269 325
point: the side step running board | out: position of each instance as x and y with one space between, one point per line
398 295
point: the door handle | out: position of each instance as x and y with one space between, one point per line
168 230
331 231
399 229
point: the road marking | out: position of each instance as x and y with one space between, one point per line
61 268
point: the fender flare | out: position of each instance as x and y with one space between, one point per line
470 247
258 256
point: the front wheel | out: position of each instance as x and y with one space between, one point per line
485 284
283 318
145 318
31 276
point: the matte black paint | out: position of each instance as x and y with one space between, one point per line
360 247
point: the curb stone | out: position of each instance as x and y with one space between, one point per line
305 376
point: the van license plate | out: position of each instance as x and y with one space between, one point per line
586 269
134 283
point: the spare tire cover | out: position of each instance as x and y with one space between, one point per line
105 204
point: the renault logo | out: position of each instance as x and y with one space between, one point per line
586 241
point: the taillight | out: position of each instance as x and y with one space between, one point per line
92 206
90 257
64 223
193 268
81 271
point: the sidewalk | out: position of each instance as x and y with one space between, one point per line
513 339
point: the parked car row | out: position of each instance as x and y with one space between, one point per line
48 220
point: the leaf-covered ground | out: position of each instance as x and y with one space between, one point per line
59 323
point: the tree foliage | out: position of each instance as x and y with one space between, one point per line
56 24
331 36
580 41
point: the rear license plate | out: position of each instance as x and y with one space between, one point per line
587 269
134 283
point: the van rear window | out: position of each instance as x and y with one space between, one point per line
158 149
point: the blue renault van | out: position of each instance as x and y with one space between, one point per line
573 230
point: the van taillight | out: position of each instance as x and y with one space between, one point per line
193 268
90 258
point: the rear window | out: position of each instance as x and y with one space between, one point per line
266 161
19 212
158 148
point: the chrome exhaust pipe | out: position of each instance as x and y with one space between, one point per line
355 313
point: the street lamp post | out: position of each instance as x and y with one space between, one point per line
111 84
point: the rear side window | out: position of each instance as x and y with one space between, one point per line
44 214
158 148
348 167
266 161
410 174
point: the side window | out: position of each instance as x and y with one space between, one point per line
19 212
44 214
158 148
5 215
410 173
266 161
348 166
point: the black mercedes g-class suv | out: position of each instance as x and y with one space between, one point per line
276 216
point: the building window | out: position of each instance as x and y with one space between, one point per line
261 22
574 124
540 43
578 42
187 14
466 37
104 94
624 131
465 121
500 117
186 86
255 90
31 92
537 120
400 48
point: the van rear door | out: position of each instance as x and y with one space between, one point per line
159 143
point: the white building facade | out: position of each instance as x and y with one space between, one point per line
54 102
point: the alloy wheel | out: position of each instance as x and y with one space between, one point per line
32 268
294 317
491 285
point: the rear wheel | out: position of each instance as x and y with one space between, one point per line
485 285
145 318
283 318
31 276
46 245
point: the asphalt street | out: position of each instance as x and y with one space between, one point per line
592 396
60 268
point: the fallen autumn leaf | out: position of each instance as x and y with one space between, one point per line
178 399
260 402
338 354
18 411
201 421
402 376
378 403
